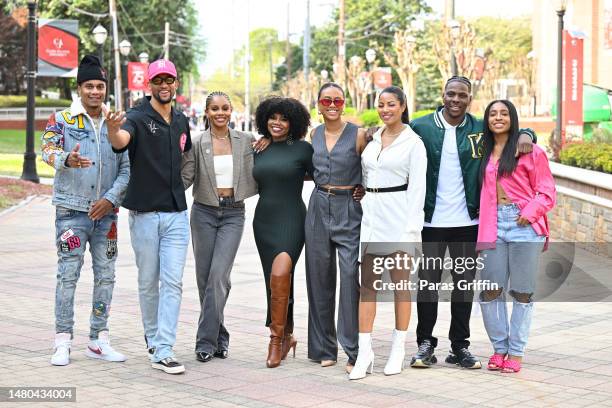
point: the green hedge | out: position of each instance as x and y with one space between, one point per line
20 101
370 118
591 156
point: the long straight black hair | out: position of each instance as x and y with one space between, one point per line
508 159
397 91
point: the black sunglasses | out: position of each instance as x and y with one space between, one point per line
158 80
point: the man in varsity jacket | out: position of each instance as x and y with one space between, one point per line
452 138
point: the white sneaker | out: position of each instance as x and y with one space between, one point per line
395 364
61 357
101 349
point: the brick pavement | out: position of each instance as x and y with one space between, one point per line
568 363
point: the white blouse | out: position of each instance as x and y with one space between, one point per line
224 170
394 216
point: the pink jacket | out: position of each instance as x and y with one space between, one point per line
531 187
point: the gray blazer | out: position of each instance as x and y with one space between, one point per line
198 168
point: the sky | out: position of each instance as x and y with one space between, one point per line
224 22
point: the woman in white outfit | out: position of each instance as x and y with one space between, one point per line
394 168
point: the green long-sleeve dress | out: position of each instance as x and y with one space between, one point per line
279 216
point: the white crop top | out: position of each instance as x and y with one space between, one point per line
224 171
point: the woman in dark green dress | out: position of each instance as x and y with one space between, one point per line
279 217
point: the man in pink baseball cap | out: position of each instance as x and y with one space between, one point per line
156 135
162 66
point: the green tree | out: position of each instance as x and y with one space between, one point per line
140 22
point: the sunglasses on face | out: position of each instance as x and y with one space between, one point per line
158 80
327 102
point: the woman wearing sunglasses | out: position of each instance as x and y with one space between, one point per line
332 229
394 167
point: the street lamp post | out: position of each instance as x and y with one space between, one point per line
124 48
370 55
143 57
100 34
29 158
324 75
455 30
561 6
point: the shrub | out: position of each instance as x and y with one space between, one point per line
370 118
419 113
20 101
591 156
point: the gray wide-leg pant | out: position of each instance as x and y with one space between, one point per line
332 224
216 234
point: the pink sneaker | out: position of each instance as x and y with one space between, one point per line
511 366
496 362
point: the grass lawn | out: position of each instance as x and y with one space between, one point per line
12 165
13 141
12 147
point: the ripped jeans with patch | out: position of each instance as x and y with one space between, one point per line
512 265
74 229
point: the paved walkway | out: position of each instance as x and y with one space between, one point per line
569 358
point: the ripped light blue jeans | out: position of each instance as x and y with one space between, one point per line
73 230
512 265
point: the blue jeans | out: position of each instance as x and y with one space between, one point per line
73 230
160 241
512 265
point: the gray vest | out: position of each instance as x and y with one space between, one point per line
341 167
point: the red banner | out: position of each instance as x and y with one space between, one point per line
137 76
58 48
382 78
573 67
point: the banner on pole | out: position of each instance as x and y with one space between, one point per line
137 76
608 27
573 71
58 48
382 78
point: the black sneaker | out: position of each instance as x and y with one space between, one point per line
463 358
203 356
221 354
424 356
169 365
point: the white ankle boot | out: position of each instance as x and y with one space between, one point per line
395 364
61 357
365 358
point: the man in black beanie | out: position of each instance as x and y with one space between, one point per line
90 182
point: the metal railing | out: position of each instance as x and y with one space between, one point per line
20 113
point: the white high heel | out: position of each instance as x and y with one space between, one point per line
365 358
395 364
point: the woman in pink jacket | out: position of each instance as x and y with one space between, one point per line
516 194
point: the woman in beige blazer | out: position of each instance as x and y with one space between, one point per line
220 168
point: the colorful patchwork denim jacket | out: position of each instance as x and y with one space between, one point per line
79 188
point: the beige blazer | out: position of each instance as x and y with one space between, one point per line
198 168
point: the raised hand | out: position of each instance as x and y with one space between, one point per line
114 120
75 160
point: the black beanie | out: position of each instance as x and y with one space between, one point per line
90 68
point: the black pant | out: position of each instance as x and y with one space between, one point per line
461 242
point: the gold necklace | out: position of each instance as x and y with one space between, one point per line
225 137
395 134
336 134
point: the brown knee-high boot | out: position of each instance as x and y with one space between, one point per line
279 301
289 342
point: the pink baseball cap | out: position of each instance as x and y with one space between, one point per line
161 66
